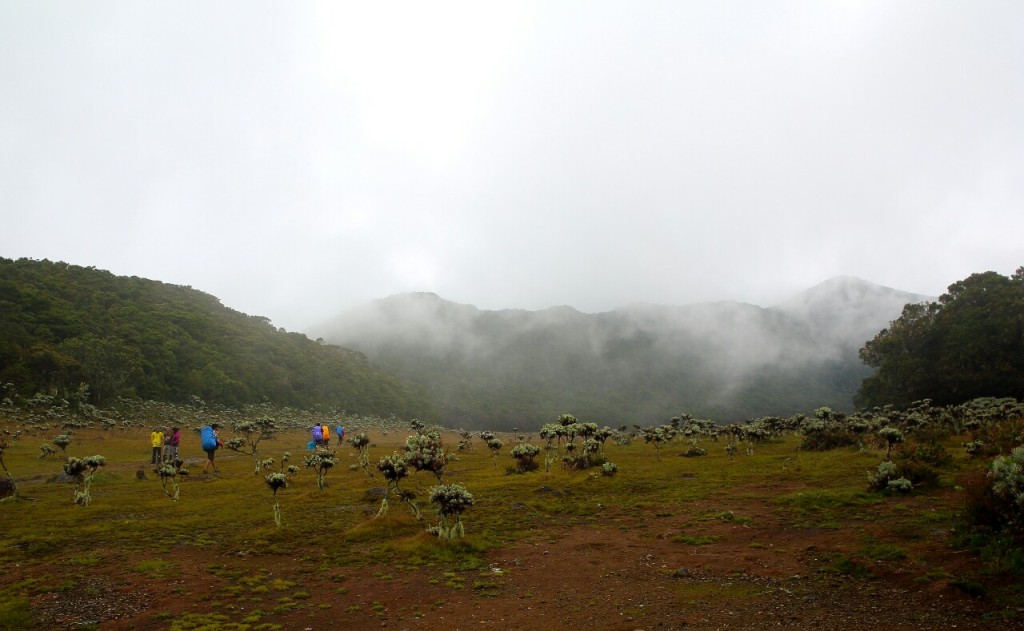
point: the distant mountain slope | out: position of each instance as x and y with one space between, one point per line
848 310
62 325
639 364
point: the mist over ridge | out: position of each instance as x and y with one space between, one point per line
641 363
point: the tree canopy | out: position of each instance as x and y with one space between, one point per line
62 326
966 345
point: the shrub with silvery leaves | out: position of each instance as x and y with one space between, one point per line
892 437
878 479
169 473
1008 483
426 452
658 436
62 441
524 454
321 461
889 479
278 480
899 485
974 447
395 468
82 470
253 432
493 443
362 443
451 500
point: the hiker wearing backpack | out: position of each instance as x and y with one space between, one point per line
210 436
326 432
318 435
340 431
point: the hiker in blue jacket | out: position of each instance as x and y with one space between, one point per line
211 442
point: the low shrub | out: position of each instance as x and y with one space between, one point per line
992 516
525 454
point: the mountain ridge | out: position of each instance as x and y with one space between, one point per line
641 362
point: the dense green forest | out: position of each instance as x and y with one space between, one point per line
967 344
79 332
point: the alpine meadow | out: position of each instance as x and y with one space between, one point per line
852 457
511 316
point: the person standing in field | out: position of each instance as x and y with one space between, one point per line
340 431
171 445
326 432
166 449
211 442
156 439
318 435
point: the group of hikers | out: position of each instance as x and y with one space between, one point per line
165 444
322 436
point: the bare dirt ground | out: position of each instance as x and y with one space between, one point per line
616 572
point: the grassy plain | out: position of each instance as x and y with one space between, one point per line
704 536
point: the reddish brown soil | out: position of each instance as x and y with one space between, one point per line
612 572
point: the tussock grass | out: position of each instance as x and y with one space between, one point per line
884 552
824 508
155 568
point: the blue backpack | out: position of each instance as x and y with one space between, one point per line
318 434
208 439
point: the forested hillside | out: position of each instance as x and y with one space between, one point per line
968 344
639 364
62 326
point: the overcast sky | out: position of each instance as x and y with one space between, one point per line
296 159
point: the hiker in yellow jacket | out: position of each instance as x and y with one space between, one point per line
156 439
327 435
